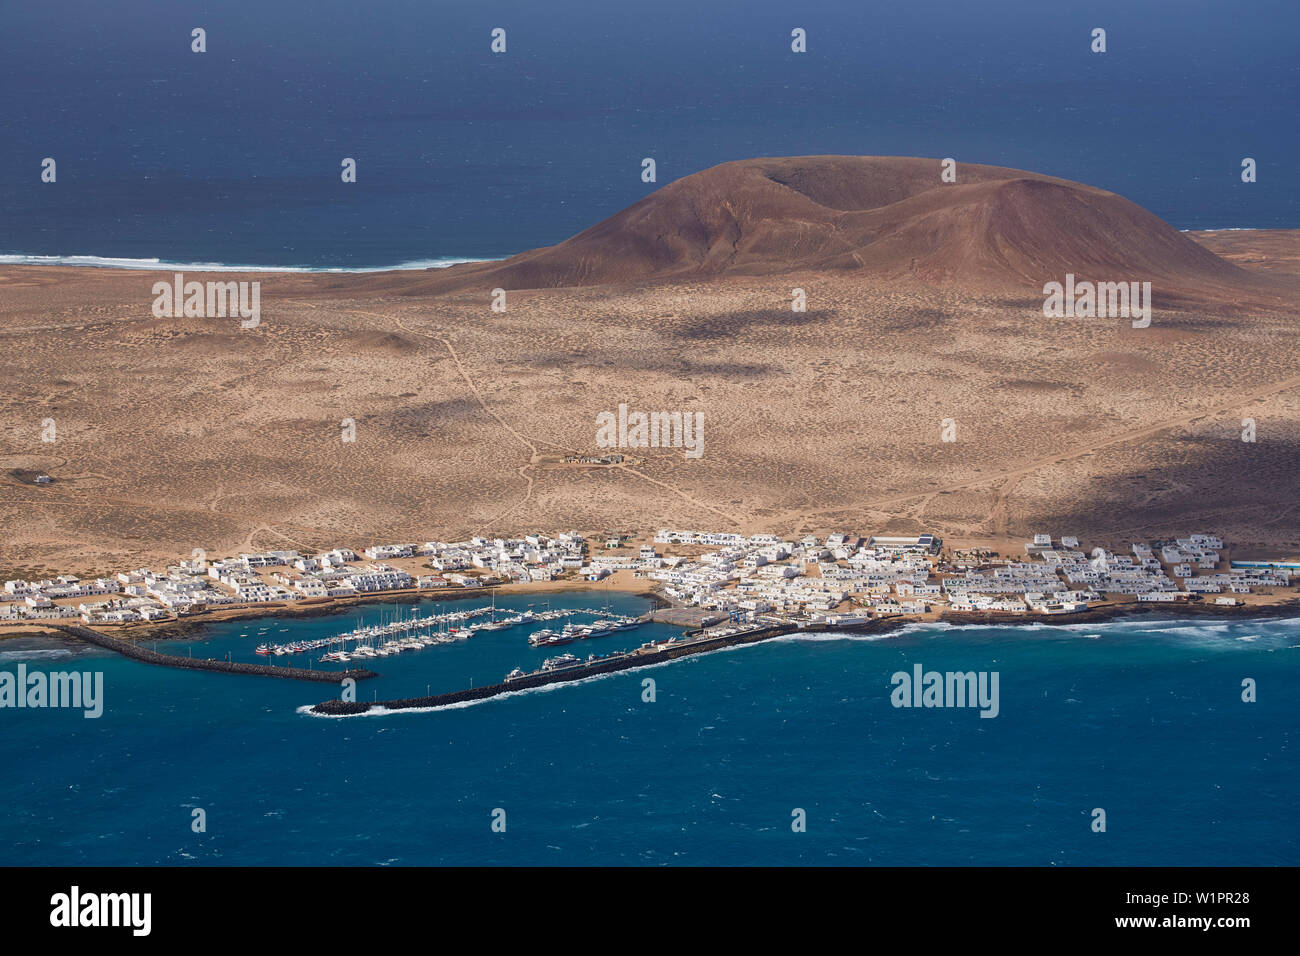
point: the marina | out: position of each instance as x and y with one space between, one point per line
388 637
569 667
410 632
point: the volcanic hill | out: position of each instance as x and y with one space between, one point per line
886 217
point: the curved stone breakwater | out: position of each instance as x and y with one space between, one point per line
646 658
643 658
135 652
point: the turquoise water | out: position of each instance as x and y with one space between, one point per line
1141 718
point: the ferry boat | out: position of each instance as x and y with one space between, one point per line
563 662
548 638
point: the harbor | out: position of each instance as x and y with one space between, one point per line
429 647
404 631
647 655
569 667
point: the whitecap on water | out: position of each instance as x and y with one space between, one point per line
34 654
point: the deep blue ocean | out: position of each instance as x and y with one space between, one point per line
233 155
1143 719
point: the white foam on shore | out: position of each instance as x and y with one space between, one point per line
815 637
160 265
1020 624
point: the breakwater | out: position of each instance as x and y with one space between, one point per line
639 658
646 658
135 652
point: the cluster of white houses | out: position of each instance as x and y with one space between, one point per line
882 576
842 578
288 576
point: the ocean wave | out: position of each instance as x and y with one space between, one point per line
34 654
1191 630
158 265
813 637
922 627
1197 628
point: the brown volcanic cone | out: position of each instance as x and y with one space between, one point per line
890 217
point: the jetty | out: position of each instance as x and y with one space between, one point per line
644 656
135 652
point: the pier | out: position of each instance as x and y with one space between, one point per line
135 652
642 657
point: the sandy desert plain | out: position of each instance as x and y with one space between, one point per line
181 433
